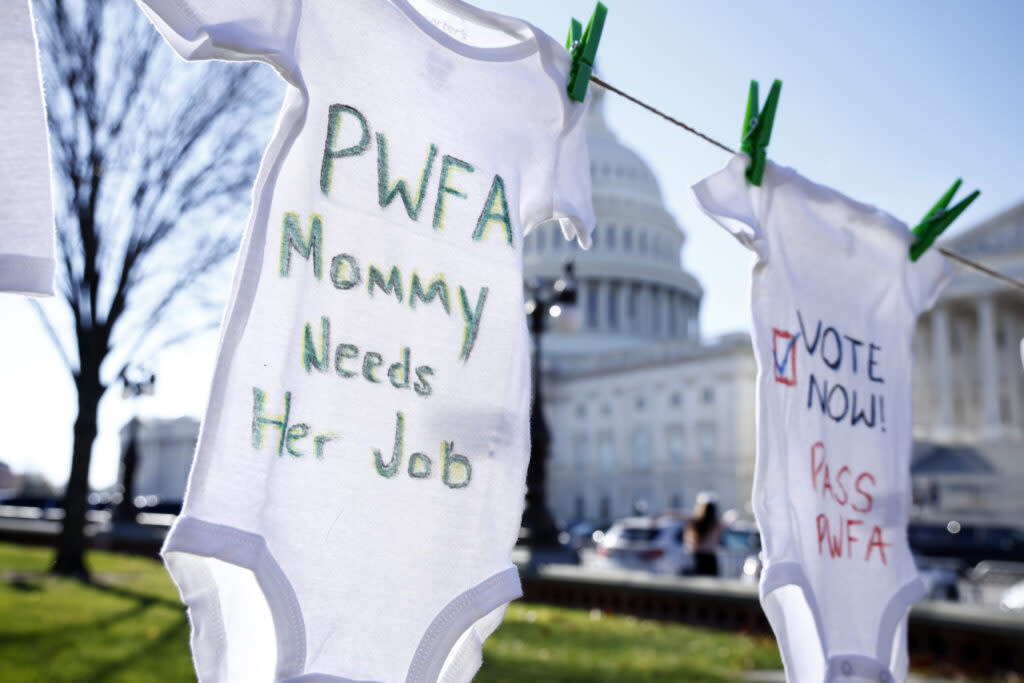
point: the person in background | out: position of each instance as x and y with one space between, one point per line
703 533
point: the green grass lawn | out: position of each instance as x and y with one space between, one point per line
129 626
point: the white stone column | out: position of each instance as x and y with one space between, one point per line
658 487
584 296
661 312
1018 335
614 293
667 301
988 369
601 291
942 375
594 292
641 319
628 317
1011 364
642 323
652 331
629 324
1018 381
672 311
681 314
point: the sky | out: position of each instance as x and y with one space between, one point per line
886 102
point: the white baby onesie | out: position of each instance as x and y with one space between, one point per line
835 299
359 479
26 227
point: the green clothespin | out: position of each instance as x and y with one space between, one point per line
582 46
757 130
938 219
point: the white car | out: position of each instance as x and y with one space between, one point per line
653 544
1012 599
740 540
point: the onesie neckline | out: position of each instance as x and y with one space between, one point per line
509 25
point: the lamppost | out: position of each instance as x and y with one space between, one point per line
125 510
557 299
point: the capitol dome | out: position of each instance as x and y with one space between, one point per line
614 168
632 288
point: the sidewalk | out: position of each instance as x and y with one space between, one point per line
780 677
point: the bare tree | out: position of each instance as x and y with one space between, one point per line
153 161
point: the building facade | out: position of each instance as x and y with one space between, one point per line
646 430
165 450
8 482
969 384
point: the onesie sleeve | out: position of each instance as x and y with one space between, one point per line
233 30
572 203
727 198
926 278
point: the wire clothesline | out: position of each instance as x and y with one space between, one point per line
690 129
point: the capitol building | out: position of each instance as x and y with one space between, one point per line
969 385
645 413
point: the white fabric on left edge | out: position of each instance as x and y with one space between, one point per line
26 225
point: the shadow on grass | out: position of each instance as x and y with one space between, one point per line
570 650
143 598
501 669
602 639
31 584
103 622
95 631
150 656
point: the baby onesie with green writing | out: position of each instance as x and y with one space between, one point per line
359 479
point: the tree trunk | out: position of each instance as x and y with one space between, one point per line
70 559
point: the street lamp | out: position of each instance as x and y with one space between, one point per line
555 299
125 510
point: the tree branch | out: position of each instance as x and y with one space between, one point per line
52 334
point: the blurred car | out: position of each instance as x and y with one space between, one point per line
1012 599
752 566
968 543
739 540
579 535
940 577
41 502
653 544
997 583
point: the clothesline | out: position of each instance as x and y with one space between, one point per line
690 129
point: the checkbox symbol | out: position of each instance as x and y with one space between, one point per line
784 356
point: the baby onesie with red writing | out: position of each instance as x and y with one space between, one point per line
835 299
359 480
